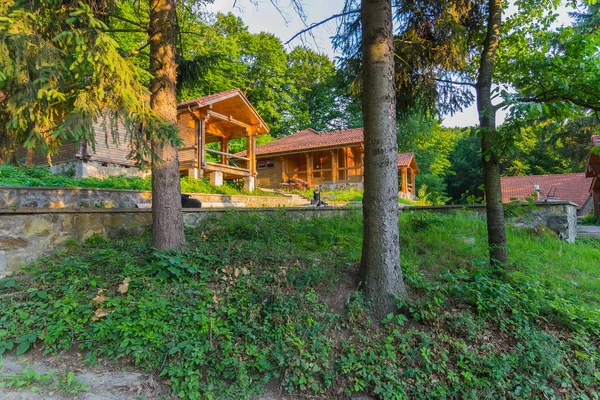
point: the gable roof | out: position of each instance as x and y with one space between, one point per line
232 108
569 187
406 159
210 99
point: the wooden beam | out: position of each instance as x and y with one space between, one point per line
215 131
227 154
229 119
227 169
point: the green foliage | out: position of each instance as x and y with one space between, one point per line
291 91
50 382
589 219
61 72
465 178
42 177
233 311
545 146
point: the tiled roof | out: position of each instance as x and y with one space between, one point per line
569 187
310 139
596 140
211 98
404 159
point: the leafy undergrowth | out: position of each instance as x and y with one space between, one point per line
41 176
590 219
251 301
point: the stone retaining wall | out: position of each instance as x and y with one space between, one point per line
560 216
45 197
27 234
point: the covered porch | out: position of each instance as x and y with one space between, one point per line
219 119
324 167
332 168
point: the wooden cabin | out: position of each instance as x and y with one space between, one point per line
592 170
217 118
326 159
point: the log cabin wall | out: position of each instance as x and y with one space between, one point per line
187 131
107 151
269 172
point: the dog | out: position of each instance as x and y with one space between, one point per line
316 200
188 202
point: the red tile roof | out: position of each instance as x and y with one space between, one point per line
569 187
211 98
404 159
310 139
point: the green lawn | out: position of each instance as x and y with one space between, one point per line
42 177
265 298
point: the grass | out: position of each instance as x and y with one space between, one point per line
262 299
42 177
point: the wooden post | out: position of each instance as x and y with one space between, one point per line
309 168
251 146
362 162
596 201
334 166
413 189
201 157
284 177
224 149
404 181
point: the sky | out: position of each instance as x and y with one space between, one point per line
266 18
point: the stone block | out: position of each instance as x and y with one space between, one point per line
9 243
37 227
249 183
15 262
216 178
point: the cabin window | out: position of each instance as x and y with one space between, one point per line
263 164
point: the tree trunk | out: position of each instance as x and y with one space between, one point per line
490 155
167 218
380 273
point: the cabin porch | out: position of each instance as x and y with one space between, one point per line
338 167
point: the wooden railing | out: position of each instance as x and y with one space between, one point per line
228 155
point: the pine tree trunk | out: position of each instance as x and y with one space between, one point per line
380 273
490 155
167 218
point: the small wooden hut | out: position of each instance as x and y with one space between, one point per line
219 118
